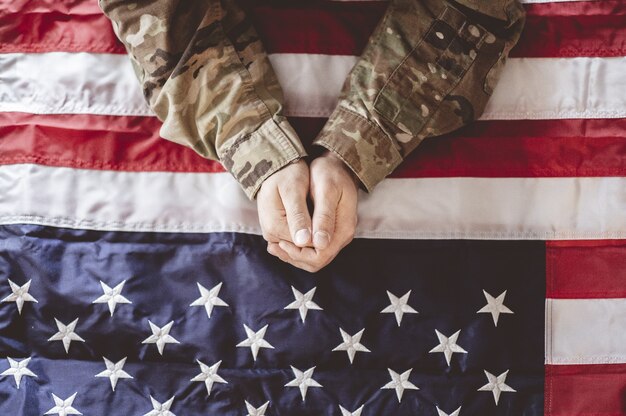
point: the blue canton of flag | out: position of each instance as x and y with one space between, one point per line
109 323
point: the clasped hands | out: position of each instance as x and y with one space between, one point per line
309 242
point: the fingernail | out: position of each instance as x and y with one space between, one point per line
321 239
302 237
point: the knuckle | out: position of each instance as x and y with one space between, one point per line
312 268
326 217
320 262
270 233
347 238
297 216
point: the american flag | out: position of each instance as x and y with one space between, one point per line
488 276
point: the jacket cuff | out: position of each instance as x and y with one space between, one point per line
361 144
253 158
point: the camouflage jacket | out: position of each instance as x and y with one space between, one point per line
428 69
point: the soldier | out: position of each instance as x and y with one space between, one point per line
429 68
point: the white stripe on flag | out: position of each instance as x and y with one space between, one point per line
437 208
585 331
70 83
555 88
531 88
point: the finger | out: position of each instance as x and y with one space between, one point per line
273 220
307 255
307 258
274 228
297 212
275 250
324 217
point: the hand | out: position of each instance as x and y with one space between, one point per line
334 191
282 207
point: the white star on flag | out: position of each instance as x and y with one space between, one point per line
303 380
209 375
160 336
20 295
161 409
357 412
496 385
114 371
399 306
442 413
255 340
209 298
495 306
252 411
351 344
66 334
63 407
18 370
447 345
400 382
112 296
303 302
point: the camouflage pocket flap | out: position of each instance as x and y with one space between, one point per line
431 70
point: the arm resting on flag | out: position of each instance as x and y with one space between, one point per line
206 76
429 68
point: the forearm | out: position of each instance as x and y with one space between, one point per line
428 69
205 74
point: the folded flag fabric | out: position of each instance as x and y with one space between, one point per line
488 276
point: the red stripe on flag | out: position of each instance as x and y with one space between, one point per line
523 148
526 148
552 29
56 26
95 142
330 28
325 27
591 269
585 390
585 28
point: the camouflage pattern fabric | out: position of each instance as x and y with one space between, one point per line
428 69
206 76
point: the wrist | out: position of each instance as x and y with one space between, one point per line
336 160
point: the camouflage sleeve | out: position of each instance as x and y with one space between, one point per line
206 76
429 68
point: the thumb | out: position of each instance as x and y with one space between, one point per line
298 217
324 218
